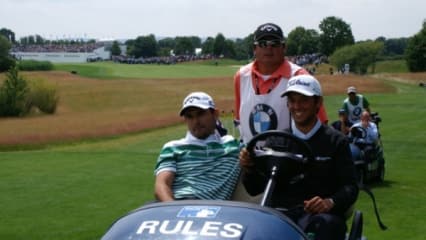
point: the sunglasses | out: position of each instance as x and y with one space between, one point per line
266 43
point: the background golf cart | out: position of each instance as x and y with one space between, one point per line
206 219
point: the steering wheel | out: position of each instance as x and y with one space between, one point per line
279 149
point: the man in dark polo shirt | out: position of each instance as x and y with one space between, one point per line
319 201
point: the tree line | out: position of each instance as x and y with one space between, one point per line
335 39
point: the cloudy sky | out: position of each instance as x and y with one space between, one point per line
122 19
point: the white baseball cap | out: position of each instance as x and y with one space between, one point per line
197 99
303 84
351 89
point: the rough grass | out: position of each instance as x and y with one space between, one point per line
91 108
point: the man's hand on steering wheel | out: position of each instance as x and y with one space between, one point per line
317 205
245 160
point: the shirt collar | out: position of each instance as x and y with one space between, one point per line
302 135
215 137
283 71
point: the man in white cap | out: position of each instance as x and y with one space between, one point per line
204 164
319 201
355 104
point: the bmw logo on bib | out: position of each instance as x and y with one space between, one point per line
262 118
357 111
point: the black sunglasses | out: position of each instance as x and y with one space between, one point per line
266 43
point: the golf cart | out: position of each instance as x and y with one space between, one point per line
370 163
208 219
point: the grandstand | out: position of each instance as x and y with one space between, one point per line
62 54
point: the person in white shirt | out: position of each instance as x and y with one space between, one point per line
367 142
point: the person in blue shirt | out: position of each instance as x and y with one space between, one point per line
363 144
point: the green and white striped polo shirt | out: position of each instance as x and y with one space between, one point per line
205 169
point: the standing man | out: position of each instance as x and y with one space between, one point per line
318 202
258 85
204 164
355 104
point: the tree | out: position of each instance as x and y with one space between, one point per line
301 41
184 46
229 49
39 39
196 41
395 46
219 44
166 45
130 45
115 49
145 46
8 34
335 33
312 41
415 53
207 46
6 61
31 39
244 48
359 56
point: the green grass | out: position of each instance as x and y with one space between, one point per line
391 66
110 70
77 191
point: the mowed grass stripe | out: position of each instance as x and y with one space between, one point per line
109 70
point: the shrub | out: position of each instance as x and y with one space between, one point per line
13 95
33 65
43 96
360 56
19 96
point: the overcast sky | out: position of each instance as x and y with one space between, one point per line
122 19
